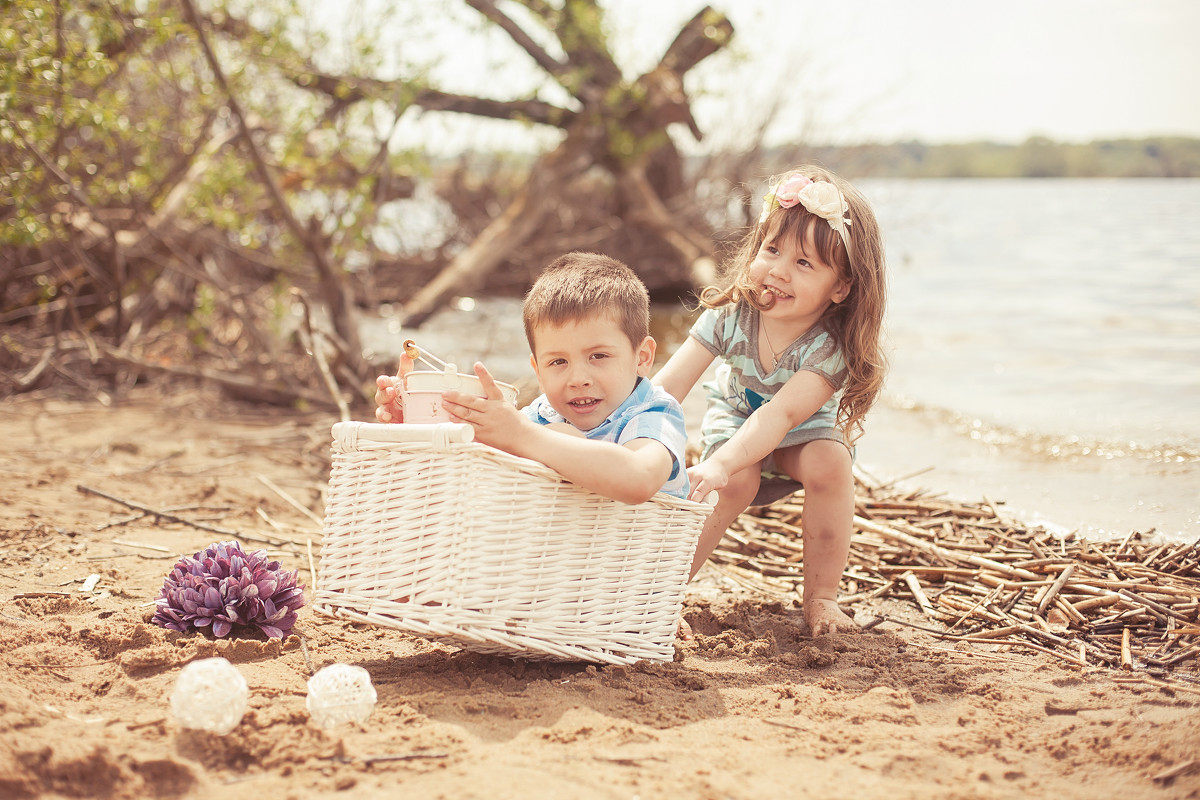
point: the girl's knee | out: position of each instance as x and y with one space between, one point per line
824 463
742 486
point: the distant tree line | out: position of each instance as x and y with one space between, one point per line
1036 157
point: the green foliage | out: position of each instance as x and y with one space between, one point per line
93 112
203 316
105 107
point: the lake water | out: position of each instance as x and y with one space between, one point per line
1045 346
1064 310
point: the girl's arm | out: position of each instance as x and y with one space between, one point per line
683 369
798 399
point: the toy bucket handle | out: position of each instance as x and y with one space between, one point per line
412 351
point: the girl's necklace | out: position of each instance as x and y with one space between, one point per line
762 326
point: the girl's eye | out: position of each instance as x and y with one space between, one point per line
804 262
772 249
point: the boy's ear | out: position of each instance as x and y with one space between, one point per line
533 364
645 356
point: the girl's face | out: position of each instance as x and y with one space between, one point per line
801 283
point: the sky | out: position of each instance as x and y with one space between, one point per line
959 70
874 70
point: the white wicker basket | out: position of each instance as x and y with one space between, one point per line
436 535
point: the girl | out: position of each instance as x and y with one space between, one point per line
797 326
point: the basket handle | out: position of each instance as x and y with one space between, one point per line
441 434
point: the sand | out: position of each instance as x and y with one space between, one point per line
754 708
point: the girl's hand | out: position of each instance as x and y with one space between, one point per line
387 392
706 477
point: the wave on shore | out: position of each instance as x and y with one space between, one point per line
1047 445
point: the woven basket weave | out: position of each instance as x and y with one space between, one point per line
432 534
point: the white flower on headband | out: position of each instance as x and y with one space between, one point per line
818 197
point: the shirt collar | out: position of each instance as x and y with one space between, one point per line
642 390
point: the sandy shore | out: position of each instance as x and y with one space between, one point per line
754 708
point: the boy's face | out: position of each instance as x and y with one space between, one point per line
587 367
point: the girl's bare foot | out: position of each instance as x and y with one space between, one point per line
685 631
824 616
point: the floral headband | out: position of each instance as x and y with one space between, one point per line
819 197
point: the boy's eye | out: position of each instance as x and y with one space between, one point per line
599 355
557 362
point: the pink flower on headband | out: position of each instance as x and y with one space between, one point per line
787 194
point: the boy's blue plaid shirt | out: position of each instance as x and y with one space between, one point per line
648 413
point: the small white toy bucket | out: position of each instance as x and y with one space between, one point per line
421 391
421 394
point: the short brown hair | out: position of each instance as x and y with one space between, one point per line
579 285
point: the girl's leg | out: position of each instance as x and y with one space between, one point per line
824 467
731 501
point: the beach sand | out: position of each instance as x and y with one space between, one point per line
753 708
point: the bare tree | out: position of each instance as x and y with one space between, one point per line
618 126
162 203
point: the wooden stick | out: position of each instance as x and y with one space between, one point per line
1055 588
1070 610
986 599
1182 655
918 593
293 502
312 567
1160 608
995 633
942 552
1181 768
1098 602
312 340
143 546
1031 646
1004 580
183 521
1176 687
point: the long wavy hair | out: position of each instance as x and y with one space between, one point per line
856 323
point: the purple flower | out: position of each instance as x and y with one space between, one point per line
223 586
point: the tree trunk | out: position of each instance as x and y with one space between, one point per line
547 185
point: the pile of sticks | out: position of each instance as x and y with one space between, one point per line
1122 603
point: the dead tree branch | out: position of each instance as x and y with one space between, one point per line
335 295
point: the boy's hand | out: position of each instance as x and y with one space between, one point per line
705 477
387 393
496 421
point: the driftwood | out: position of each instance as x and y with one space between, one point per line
619 128
548 181
94 304
1129 604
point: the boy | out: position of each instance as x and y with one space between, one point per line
600 423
